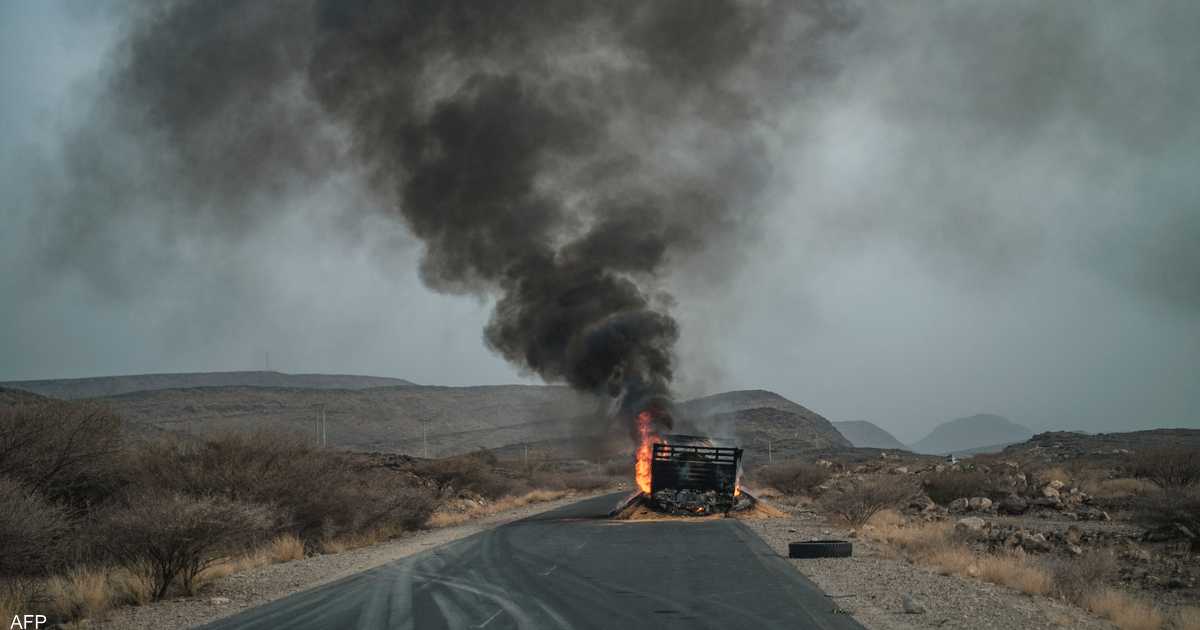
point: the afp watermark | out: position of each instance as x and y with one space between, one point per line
27 622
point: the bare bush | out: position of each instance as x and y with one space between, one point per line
792 478
857 500
475 472
61 449
1168 468
179 536
1166 511
1074 579
947 486
35 532
319 494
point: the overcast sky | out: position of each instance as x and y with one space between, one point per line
991 208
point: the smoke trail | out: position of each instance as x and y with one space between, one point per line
557 156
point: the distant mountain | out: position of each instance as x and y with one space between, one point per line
971 434
867 435
95 387
763 423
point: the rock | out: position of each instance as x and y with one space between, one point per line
1073 536
971 524
1085 513
959 505
1013 504
1184 531
979 503
1075 550
922 503
1047 502
1050 492
218 601
912 606
900 470
1056 484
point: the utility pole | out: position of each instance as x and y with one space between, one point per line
324 441
770 460
526 456
425 438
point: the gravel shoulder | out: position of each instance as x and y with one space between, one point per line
244 590
872 586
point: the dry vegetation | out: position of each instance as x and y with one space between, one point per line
1101 565
90 523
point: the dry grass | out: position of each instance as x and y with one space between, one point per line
80 593
1119 488
131 586
1126 611
474 511
1186 619
354 541
15 597
934 545
284 548
1054 473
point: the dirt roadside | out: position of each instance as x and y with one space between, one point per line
255 587
872 587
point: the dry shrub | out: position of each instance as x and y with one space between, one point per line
949 485
64 450
1120 488
1187 618
1168 468
1127 612
857 500
475 472
319 494
1075 578
795 478
132 585
35 532
81 592
1165 510
179 536
1053 473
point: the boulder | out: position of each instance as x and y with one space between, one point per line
1013 504
959 505
970 524
1050 492
922 503
1073 536
1056 484
900 470
979 503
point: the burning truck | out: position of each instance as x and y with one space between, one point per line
685 474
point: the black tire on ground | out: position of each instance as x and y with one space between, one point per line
820 549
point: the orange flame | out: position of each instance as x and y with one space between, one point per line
647 438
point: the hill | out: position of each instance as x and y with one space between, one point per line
759 420
1061 446
867 435
14 397
396 419
94 387
971 433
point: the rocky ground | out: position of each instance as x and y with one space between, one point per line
888 594
244 590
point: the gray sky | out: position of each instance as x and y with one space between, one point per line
992 207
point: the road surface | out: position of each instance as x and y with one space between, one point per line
569 568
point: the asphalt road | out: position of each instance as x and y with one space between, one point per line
570 568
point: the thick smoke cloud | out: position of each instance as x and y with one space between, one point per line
559 156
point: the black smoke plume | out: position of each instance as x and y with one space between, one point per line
557 156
